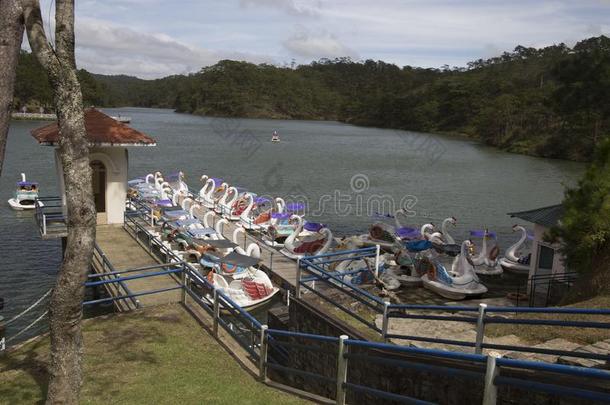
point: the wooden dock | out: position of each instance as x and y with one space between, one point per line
124 253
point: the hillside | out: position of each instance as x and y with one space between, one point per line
552 102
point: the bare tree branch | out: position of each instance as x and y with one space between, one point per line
11 35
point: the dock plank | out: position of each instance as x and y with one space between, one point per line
125 253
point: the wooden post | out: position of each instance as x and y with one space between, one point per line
183 278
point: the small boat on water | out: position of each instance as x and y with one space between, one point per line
25 195
275 137
121 118
517 260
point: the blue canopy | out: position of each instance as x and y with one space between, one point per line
164 203
175 213
418 245
187 222
201 232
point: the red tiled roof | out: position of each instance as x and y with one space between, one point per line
101 130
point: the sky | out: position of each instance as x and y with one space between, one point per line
157 38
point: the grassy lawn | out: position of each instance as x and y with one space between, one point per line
538 334
155 356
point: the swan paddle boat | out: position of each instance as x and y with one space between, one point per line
486 261
275 137
25 195
252 292
458 283
297 246
517 260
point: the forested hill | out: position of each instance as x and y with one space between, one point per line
552 102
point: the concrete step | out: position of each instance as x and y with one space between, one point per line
556 344
601 347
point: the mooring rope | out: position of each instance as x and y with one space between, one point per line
28 309
22 331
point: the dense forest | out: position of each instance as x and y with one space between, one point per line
552 102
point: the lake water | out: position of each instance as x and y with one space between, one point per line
345 173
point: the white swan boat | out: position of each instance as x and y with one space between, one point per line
515 260
25 195
275 137
314 244
251 292
458 283
486 262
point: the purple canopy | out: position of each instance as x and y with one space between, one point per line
280 215
480 234
261 200
27 183
164 203
530 236
217 181
295 207
408 233
313 226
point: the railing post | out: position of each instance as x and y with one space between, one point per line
297 287
183 283
216 312
493 370
44 224
384 325
377 253
341 370
262 357
152 218
478 348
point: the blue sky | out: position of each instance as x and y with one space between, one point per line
156 38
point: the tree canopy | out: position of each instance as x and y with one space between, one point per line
552 102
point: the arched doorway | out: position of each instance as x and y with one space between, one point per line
99 188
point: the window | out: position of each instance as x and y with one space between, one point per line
545 257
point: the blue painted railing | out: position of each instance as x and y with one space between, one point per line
257 339
317 271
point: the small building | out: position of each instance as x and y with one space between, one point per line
548 274
109 159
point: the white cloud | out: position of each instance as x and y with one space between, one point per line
297 7
102 47
308 45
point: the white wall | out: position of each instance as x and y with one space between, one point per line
558 265
116 161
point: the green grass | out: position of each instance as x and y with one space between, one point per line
155 356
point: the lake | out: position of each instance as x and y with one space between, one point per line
346 174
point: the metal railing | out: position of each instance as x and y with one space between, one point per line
49 215
479 316
272 349
544 289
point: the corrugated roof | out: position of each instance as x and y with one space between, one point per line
545 216
101 130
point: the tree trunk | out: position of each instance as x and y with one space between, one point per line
66 301
11 35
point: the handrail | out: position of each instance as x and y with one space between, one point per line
477 365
